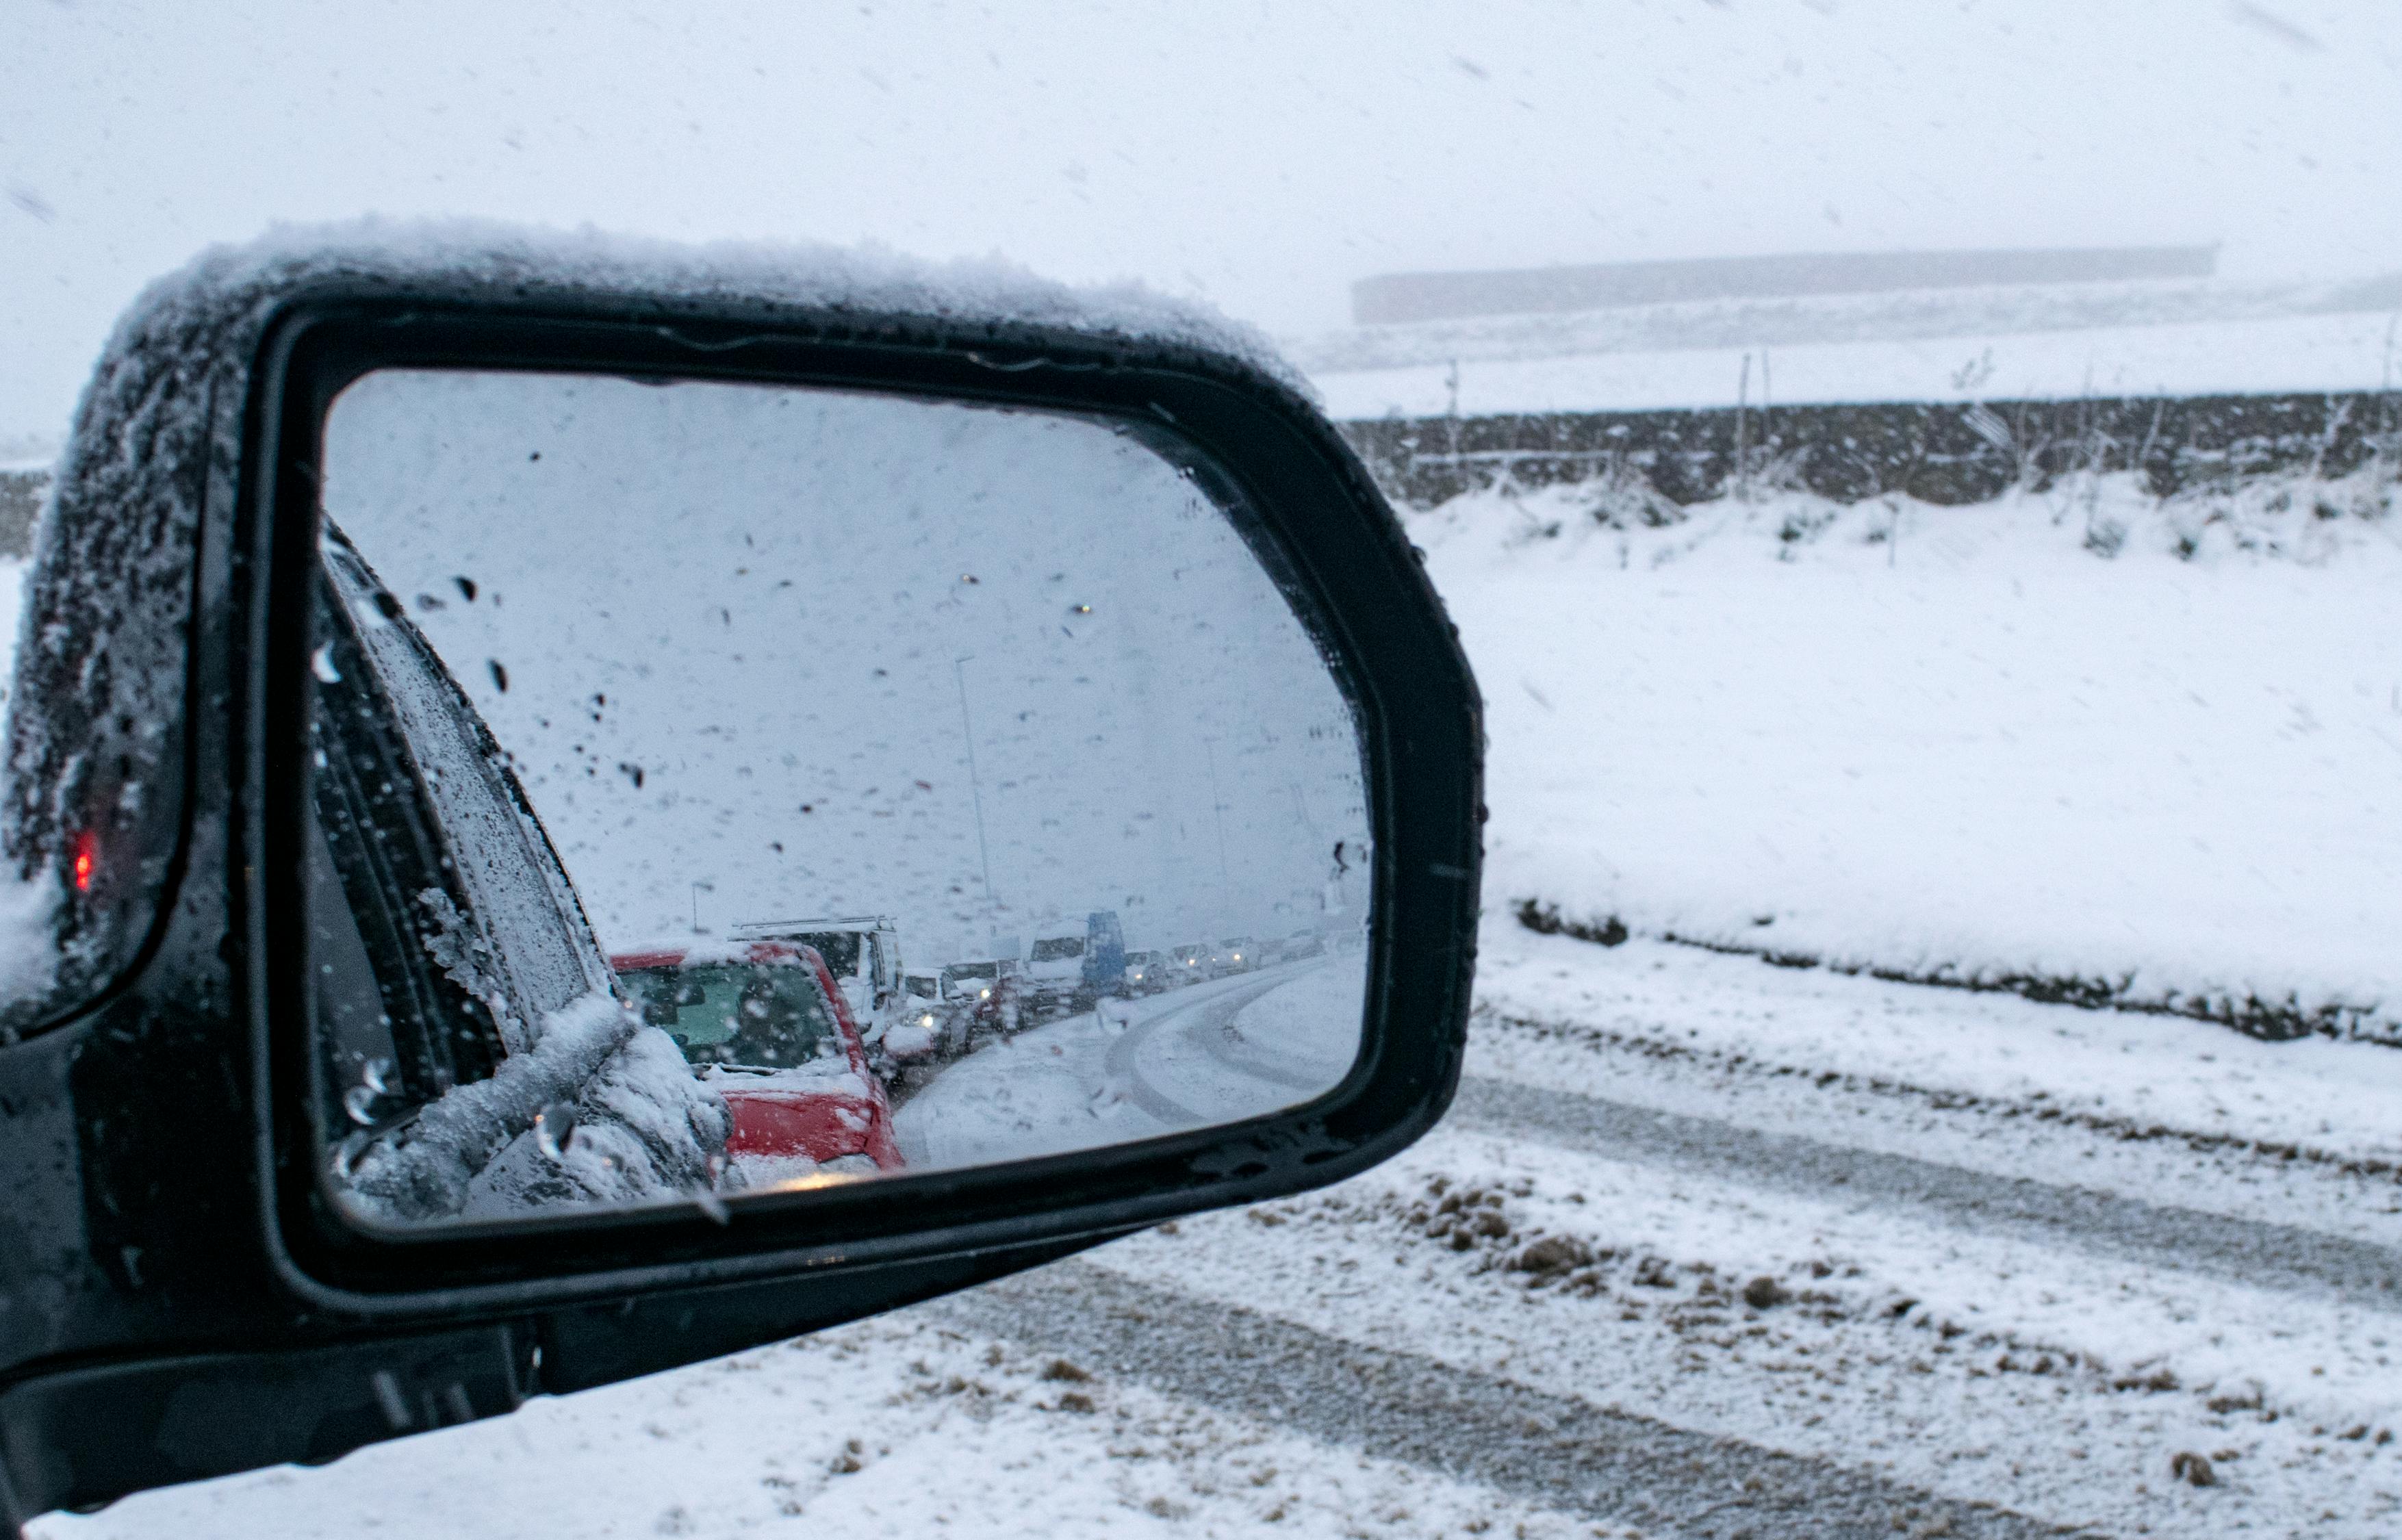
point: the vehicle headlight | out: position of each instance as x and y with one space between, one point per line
984 993
926 1019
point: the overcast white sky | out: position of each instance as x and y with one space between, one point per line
757 597
1260 156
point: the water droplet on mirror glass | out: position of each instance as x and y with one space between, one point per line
345 1157
554 1129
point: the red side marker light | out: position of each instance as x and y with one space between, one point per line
87 856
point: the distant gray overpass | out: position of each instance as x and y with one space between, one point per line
1400 298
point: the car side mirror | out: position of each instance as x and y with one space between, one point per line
449 658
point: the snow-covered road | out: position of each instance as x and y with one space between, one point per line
1684 1261
1214 1052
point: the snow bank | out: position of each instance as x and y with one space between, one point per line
1796 1032
2150 748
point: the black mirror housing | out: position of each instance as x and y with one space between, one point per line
182 1285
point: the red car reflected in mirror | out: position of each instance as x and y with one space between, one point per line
762 1024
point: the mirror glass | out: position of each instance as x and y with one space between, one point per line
723 786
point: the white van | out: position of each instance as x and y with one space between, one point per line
863 953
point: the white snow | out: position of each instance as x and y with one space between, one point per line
908 1040
642 1130
756 1172
892 1428
2137 1073
1264 1049
520 259
1866 1370
828 1075
1214 1052
1957 741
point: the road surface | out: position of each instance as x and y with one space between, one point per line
1211 1052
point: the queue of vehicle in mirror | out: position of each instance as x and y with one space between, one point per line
816 1037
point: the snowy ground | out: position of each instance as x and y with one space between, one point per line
1691 1257
1957 739
2006 342
1214 1052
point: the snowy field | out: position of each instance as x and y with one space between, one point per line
2072 734
2025 342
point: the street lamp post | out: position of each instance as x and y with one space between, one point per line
976 784
1218 813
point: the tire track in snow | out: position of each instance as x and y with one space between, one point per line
1648 1045
1561 1452
2246 1251
1207 1018
1246 1056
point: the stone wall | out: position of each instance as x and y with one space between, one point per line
1938 452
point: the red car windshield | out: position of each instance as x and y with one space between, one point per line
746 1015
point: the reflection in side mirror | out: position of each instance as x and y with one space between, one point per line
670 661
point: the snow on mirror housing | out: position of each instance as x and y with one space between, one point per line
663 727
